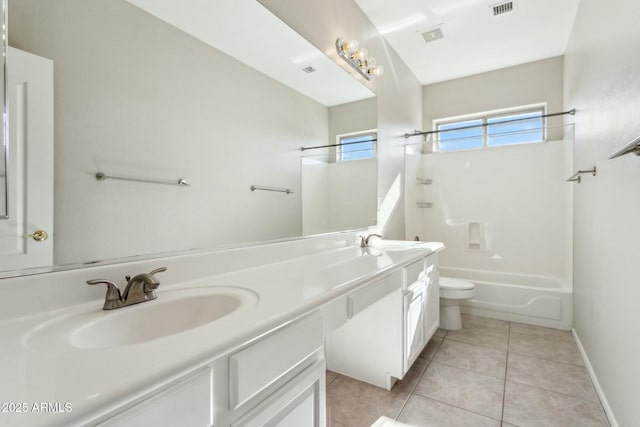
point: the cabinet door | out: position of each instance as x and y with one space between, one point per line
414 338
299 403
432 315
256 371
186 404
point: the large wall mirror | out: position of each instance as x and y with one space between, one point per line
219 94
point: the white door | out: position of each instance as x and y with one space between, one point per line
30 171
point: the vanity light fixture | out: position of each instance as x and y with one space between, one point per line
358 58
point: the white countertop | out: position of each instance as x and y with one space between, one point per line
96 381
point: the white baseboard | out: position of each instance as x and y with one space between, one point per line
603 399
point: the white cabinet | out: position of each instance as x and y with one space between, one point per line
274 360
279 380
373 333
369 345
432 314
414 323
390 323
188 403
301 403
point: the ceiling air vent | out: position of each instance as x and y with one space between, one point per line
503 8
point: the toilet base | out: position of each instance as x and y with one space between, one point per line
450 318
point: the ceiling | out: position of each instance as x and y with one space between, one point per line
475 41
248 32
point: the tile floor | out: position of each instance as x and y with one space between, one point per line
490 373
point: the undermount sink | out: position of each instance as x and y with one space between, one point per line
174 311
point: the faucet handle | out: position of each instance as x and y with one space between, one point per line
151 286
158 270
113 292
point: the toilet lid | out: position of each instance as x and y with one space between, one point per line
451 283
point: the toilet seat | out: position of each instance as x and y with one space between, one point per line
451 288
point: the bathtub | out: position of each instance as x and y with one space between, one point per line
536 300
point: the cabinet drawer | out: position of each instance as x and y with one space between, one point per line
363 298
187 404
274 360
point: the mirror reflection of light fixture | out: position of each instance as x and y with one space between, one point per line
358 58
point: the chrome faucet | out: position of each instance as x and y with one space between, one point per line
364 241
140 288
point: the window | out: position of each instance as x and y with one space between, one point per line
357 146
518 126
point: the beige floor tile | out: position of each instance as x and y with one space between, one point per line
472 357
531 406
555 376
481 335
440 333
336 424
357 404
558 351
422 412
462 388
331 376
411 378
431 348
469 320
539 331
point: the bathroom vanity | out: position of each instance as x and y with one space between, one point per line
261 363
389 325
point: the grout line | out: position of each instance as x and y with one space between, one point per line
479 345
472 371
506 367
411 392
459 407
534 356
557 392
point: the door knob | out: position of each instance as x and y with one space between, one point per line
38 236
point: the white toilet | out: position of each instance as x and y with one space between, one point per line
452 291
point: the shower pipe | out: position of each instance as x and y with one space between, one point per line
632 147
337 145
544 116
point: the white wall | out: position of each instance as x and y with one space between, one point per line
516 196
352 117
135 97
315 195
532 83
338 195
398 91
352 197
602 81
514 191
